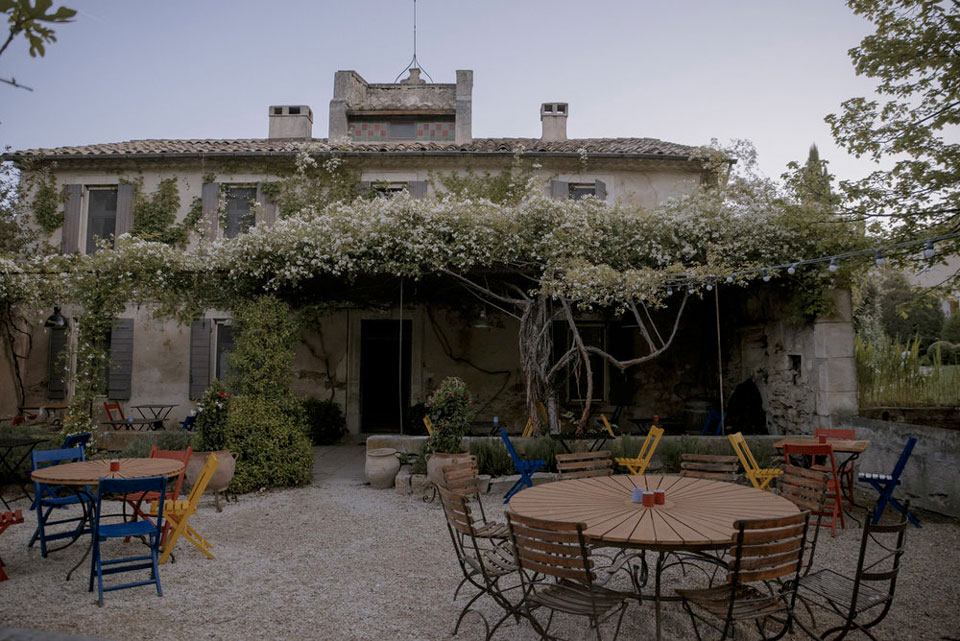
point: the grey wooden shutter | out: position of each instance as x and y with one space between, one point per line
559 189
600 189
210 200
124 209
200 335
417 188
70 241
121 360
57 366
268 209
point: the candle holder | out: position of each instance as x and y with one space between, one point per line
115 465
638 495
648 499
659 497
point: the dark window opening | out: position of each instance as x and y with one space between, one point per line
579 190
224 348
240 217
278 111
294 111
101 216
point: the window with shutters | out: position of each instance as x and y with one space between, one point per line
224 338
579 190
120 363
239 210
101 216
576 190
390 188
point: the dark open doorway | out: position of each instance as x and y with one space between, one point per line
384 374
745 410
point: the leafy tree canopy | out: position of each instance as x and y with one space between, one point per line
32 19
914 57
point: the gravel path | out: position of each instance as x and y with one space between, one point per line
339 560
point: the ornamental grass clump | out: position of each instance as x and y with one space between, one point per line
450 412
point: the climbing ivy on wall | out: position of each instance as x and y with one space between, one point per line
47 201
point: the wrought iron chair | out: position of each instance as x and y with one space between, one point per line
48 498
524 467
559 551
145 528
851 597
807 489
833 504
462 479
482 567
583 465
885 484
758 476
638 465
717 467
764 550
178 513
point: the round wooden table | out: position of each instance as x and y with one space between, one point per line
697 515
90 472
85 473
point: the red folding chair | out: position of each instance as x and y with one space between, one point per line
843 434
114 407
832 505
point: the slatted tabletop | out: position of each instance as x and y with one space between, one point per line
839 444
698 513
89 472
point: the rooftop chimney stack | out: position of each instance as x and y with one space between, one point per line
553 115
291 121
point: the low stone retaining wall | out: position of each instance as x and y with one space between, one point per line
930 479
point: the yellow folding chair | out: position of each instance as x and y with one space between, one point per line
428 424
178 513
760 477
639 465
609 428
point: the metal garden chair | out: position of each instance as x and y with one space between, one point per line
48 498
881 547
584 464
885 484
462 479
524 467
764 550
76 440
560 552
145 528
717 467
482 567
833 504
638 465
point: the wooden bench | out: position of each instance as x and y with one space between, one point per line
6 520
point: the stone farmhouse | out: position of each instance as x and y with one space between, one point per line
378 360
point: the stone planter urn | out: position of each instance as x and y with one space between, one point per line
381 467
226 466
438 460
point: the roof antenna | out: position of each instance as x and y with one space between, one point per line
414 63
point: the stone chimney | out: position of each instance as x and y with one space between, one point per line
553 115
291 121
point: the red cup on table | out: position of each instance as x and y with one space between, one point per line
115 465
648 499
659 497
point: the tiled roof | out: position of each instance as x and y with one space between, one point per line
645 147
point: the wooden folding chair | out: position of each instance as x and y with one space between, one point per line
760 477
178 513
639 464
833 506
840 433
584 464
114 407
462 479
6 520
135 501
427 423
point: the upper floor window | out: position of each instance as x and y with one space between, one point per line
239 212
577 190
101 216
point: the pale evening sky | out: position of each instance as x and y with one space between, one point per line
683 71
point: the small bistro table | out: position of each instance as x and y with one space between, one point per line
156 411
853 448
88 473
594 440
132 423
698 514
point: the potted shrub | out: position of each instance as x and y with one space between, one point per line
450 411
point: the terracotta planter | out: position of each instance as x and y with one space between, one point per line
437 461
226 465
381 467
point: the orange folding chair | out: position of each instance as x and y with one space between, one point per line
844 434
832 505
173 490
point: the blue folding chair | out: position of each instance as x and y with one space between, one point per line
76 440
145 528
525 468
714 417
886 483
48 498
189 423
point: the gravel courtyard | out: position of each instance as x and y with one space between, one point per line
339 560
